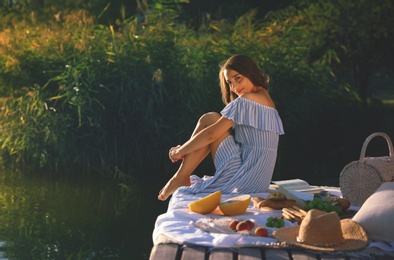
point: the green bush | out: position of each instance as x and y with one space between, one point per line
79 95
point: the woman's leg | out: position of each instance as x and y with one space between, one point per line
192 160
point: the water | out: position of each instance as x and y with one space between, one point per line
75 219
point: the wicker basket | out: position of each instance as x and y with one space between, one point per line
360 179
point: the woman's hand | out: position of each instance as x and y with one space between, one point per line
174 154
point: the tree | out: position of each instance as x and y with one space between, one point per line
354 37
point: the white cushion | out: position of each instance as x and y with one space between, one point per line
376 215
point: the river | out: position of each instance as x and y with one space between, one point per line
50 218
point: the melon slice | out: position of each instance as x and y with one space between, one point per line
207 204
235 206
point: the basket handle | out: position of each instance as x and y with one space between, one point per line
369 138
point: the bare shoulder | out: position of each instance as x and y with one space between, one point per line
261 97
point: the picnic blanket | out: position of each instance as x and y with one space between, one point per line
180 225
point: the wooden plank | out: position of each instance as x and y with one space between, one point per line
375 253
164 251
277 254
302 255
193 252
249 253
386 257
221 254
177 252
332 256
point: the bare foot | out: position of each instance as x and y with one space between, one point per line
171 186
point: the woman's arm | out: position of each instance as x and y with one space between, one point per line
202 139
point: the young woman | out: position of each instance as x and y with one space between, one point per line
242 139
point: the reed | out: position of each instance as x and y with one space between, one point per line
80 96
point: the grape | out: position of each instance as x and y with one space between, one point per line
318 203
275 222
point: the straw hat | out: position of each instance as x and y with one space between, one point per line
324 231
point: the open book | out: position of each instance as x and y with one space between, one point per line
297 185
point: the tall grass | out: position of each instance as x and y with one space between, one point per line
80 96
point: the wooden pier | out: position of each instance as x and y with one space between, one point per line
191 252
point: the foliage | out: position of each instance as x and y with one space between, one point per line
351 37
31 132
79 94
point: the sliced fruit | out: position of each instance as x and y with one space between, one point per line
235 206
207 204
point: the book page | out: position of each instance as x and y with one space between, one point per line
302 195
298 185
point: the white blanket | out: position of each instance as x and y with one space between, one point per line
182 226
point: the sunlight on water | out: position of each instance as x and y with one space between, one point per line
2 253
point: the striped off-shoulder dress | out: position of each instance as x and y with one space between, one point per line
244 162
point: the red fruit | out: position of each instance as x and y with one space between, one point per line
261 232
233 224
243 225
251 223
